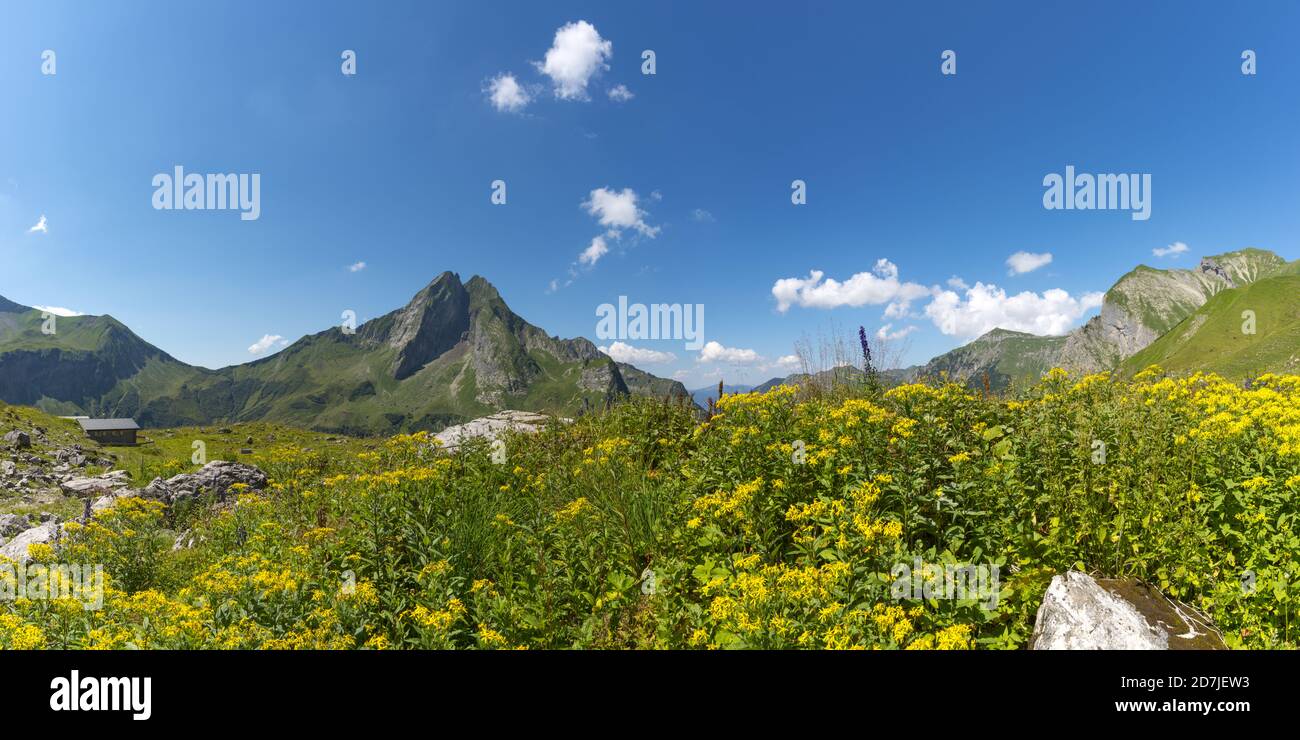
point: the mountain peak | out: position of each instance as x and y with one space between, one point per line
431 323
479 286
998 333
8 306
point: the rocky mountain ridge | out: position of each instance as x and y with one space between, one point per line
453 353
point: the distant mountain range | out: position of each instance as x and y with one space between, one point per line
455 352
1183 320
841 375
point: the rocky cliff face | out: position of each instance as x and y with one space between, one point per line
642 383
83 359
1146 303
433 322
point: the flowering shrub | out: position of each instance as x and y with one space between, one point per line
777 523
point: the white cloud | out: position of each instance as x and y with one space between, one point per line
656 195
620 94
879 286
715 352
356 267
623 352
964 311
716 359
699 214
40 227
618 211
1174 249
577 54
266 342
885 332
898 310
986 307
506 94
59 311
592 254
1022 262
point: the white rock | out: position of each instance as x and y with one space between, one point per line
491 427
74 486
16 549
1080 613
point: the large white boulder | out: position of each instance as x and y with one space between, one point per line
492 427
1082 613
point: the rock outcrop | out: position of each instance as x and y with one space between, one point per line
16 549
12 524
96 485
1082 613
491 427
19 440
216 479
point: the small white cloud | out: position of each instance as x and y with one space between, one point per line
266 342
506 94
656 195
592 254
898 309
577 54
703 216
1174 249
618 210
59 311
356 267
40 227
620 94
715 352
1022 262
957 283
623 352
886 332
877 287
788 362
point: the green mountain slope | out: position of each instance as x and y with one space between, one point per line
1214 337
1145 303
455 352
66 364
1002 356
1143 306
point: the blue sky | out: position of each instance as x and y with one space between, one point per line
941 176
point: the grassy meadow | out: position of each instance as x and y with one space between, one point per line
775 523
